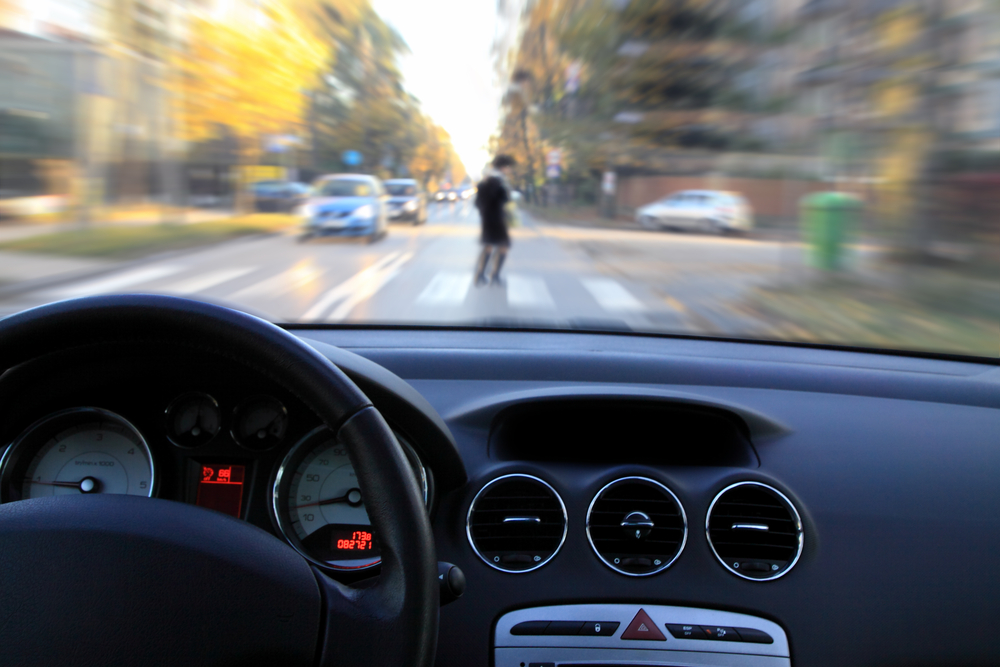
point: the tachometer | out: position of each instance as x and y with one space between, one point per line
319 504
82 450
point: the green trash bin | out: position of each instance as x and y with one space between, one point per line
828 220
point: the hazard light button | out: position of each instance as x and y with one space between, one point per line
642 627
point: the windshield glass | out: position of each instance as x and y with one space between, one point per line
400 189
791 170
343 188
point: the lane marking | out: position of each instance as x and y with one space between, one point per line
367 288
119 282
525 292
446 288
202 282
301 274
611 295
358 287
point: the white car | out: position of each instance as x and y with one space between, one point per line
701 210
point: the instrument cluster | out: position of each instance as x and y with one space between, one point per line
247 458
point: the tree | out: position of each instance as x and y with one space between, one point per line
249 71
361 105
648 76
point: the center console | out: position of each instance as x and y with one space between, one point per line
608 635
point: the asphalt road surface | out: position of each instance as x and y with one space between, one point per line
556 276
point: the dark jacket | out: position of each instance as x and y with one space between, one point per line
490 199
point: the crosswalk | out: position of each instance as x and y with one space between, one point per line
438 293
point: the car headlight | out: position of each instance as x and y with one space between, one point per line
306 210
410 205
366 211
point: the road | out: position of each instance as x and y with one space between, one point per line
556 276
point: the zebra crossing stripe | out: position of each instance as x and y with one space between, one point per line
446 288
527 292
611 295
118 282
205 281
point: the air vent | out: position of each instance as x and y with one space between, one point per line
636 526
754 531
516 523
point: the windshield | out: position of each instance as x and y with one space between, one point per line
343 188
400 189
821 172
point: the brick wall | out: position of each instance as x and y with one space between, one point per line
769 198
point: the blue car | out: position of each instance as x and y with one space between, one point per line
346 205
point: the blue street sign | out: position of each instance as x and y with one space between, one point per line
352 158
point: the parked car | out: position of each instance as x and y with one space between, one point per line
700 210
407 200
278 196
346 205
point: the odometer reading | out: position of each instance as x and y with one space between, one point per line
326 508
353 540
320 506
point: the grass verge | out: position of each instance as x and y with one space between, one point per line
132 241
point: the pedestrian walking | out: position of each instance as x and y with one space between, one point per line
492 195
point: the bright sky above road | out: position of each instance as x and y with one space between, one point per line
450 69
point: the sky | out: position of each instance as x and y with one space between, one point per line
450 69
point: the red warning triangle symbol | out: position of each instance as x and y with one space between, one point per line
642 627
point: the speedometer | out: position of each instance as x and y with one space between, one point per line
319 505
77 451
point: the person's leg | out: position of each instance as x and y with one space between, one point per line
498 257
482 263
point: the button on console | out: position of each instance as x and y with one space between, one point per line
720 633
686 631
599 628
754 636
564 628
530 628
643 628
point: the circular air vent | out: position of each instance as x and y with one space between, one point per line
636 526
516 523
754 531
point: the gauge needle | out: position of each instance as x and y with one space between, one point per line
352 498
85 485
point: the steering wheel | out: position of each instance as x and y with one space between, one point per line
113 579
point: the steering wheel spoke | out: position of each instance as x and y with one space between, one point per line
381 624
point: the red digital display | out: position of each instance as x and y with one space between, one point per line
220 488
360 540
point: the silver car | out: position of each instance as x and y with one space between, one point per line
711 211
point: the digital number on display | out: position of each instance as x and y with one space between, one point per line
359 540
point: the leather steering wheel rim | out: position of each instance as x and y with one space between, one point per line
391 622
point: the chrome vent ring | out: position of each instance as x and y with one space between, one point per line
516 523
636 526
755 531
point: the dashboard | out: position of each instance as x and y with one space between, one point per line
610 500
